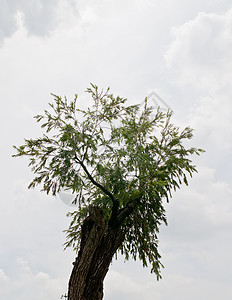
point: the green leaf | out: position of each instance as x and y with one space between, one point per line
127 160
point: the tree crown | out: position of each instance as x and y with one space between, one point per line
122 159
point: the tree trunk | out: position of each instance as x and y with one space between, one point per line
99 242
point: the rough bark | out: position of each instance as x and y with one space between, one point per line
99 242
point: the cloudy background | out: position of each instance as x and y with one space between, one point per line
182 50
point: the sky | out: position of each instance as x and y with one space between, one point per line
179 49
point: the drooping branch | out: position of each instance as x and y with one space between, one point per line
142 161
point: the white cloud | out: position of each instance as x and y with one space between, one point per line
201 53
30 285
23 264
212 121
201 57
4 281
202 208
3 276
118 44
122 286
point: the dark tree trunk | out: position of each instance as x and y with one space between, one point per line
99 242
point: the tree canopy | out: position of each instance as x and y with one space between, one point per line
124 159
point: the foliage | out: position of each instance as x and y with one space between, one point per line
124 159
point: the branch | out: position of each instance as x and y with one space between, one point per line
128 209
113 222
108 193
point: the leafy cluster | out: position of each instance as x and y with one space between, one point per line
123 159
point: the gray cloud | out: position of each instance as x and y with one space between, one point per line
121 47
38 16
7 20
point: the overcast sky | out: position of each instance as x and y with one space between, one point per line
182 50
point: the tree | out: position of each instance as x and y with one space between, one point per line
121 163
